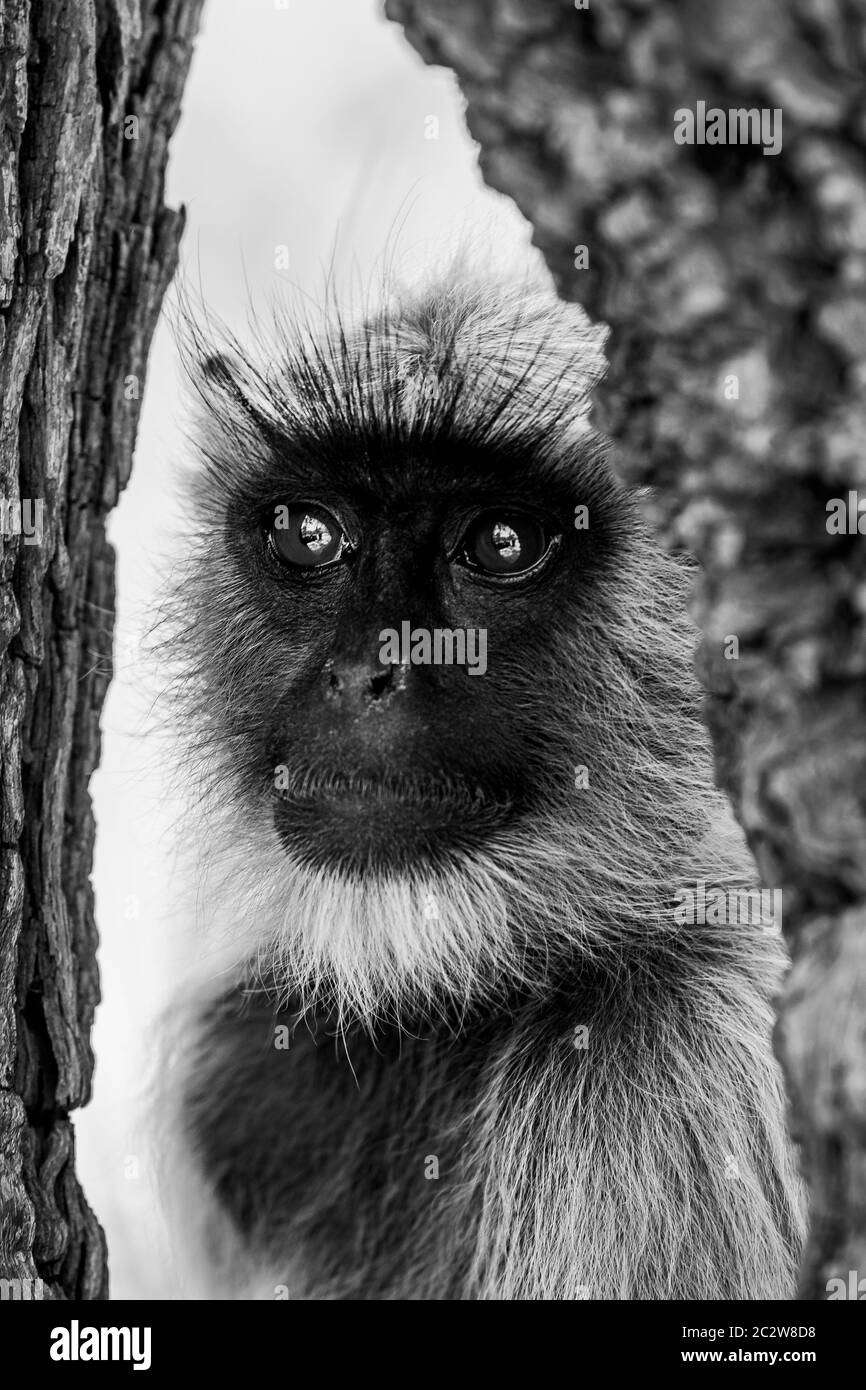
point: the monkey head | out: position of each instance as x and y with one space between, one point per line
435 685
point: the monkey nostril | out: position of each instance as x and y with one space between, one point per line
381 682
358 685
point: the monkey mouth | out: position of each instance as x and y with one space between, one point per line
419 789
385 822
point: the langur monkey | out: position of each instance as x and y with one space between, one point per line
449 1038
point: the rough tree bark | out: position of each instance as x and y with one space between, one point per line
735 284
86 251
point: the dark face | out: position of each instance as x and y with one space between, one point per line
405 623
380 610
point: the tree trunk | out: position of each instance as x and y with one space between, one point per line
89 96
735 284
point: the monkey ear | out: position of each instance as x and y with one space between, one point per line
232 393
217 369
224 374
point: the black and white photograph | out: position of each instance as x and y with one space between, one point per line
433 691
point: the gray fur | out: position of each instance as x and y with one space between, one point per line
651 1163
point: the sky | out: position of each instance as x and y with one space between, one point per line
313 141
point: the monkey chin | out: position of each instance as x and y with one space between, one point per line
390 826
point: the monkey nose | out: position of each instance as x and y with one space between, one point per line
361 685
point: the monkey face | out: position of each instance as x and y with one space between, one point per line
407 601
410 589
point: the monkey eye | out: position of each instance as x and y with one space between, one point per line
504 543
306 536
